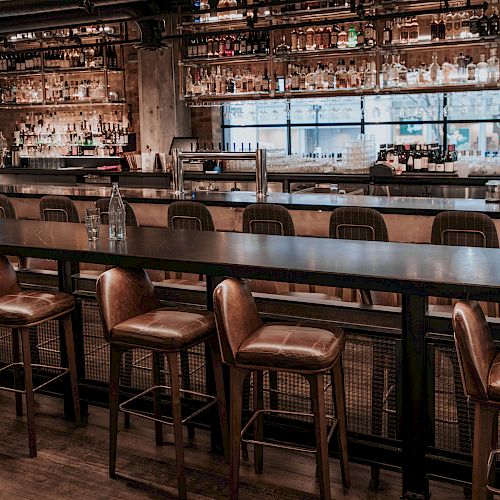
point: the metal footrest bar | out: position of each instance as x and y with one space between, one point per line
305 449
137 364
63 371
492 463
95 349
52 340
146 415
385 401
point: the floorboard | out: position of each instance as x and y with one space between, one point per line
72 463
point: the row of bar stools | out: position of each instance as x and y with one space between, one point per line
133 318
250 347
19 311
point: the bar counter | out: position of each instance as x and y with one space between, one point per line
240 199
414 271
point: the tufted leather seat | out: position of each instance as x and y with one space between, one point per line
291 347
479 362
133 317
20 310
248 346
165 329
26 307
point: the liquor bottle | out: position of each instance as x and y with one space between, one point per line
325 37
462 68
334 36
341 75
387 34
482 70
434 29
457 25
318 38
465 22
417 159
449 164
484 25
474 24
431 164
493 67
402 160
352 75
382 154
370 35
449 25
494 27
414 31
471 72
425 157
441 29
342 42
310 38
294 40
352 37
434 70
385 72
302 36
404 36
439 162
361 39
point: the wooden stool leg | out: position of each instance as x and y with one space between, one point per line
236 378
221 393
258 404
186 384
320 428
173 364
157 396
485 439
339 402
28 386
71 355
127 380
16 358
114 394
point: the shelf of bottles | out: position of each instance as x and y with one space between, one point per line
100 131
66 66
441 51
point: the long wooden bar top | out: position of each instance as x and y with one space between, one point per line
326 202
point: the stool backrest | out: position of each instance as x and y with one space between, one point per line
475 348
130 218
266 218
236 316
7 210
123 294
190 215
8 278
58 209
469 229
358 223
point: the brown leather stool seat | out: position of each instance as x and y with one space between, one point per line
291 347
165 329
26 307
133 317
248 346
479 362
20 310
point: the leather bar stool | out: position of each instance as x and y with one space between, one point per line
462 229
362 224
133 318
190 215
249 347
480 371
468 229
7 210
367 224
58 209
130 218
19 311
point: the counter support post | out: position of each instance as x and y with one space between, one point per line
414 418
260 174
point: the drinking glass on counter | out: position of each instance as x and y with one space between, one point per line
93 223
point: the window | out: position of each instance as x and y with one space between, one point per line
322 126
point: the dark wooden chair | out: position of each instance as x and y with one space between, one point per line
58 209
190 215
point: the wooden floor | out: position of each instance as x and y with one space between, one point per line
72 463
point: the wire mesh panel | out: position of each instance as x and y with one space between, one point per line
453 413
